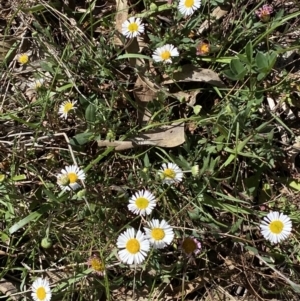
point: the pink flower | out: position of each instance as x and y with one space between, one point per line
190 245
97 265
264 13
203 48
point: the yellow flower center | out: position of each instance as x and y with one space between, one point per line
188 245
23 59
72 177
142 203
133 246
38 84
189 3
169 173
203 48
157 233
133 27
165 55
276 227
96 264
68 106
41 293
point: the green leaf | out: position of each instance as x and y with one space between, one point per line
248 154
47 67
195 213
272 57
82 100
223 131
241 75
230 198
72 280
252 249
29 218
31 125
228 73
81 139
222 60
252 183
268 259
197 109
236 226
261 76
133 56
279 15
65 87
243 58
4 237
237 149
50 195
236 66
295 184
261 61
146 161
249 51
90 113
34 9
236 209
19 178
185 40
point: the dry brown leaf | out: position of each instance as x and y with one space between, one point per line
292 153
164 136
144 91
143 88
177 293
138 294
121 16
190 73
8 289
190 96
149 87
218 293
217 14
134 45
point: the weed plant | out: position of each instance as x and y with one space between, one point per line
68 82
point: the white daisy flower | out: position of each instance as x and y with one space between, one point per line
132 27
135 246
276 227
66 107
41 290
142 203
164 53
171 173
159 233
187 7
68 177
37 84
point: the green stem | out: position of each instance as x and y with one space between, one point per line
101 156
157 10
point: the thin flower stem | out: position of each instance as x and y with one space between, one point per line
100 157
159 9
